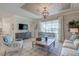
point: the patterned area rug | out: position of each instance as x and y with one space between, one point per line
29 51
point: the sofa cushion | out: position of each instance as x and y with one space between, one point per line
68 52
69 45
73 37
68 41
8 39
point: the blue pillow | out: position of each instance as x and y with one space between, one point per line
8 39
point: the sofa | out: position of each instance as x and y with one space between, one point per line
68 49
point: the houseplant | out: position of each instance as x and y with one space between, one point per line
73 25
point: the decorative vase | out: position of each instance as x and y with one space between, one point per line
46 39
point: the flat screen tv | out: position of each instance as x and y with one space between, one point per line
23 27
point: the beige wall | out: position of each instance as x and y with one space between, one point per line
67 19
64 20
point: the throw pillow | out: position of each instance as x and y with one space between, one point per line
8 39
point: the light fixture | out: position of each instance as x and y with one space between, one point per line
45 13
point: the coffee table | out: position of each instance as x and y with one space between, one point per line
44 44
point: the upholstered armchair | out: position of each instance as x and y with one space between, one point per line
15 49
10 47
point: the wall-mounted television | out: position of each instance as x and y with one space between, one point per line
23 26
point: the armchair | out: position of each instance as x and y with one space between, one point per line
10 47
15 49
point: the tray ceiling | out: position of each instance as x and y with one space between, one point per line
37 8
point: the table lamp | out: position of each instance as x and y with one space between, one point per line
74 30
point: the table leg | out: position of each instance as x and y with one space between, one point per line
54 44
47 50
5 53
33 44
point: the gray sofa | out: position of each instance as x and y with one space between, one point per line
44 34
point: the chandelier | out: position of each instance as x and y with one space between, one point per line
45 12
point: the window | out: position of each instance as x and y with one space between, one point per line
50 26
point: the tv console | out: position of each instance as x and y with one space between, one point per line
23 35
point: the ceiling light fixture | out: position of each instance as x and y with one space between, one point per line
45 12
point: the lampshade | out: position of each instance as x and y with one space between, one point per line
74 30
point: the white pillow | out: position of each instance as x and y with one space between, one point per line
73 37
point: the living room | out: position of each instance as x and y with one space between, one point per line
24 25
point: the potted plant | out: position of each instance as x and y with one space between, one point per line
73 26
77 24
